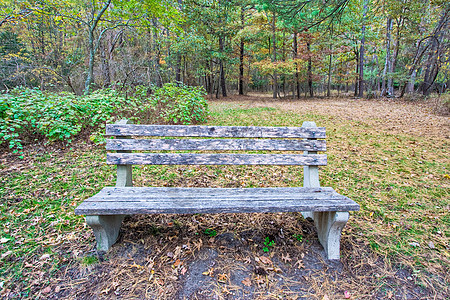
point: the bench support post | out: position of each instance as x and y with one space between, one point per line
329 226
106 229
310 173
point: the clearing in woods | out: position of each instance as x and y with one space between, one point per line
390 157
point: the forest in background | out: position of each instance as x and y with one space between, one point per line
289 48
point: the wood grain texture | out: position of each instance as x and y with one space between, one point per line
215 131
216 145
214 159
131 200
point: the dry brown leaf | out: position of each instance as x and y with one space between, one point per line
247 281
183 271
286 258
299 264
222 278
265 260
210 272
177 263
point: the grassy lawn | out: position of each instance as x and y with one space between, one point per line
401 180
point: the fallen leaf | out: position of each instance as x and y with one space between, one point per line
285 258
260 280
209 272
46 290
177 263
134 265
431 245
247 281
45 256
222 278
6 254
265 260
299 264
414 244
183 271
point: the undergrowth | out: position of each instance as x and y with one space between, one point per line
27 115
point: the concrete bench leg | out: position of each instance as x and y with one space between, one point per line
329 226
106 229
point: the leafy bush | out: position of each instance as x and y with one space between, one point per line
180 104
26 113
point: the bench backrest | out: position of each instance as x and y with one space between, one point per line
215 139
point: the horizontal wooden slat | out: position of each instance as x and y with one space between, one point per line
215 131
215 159
132 200
136 193
214 144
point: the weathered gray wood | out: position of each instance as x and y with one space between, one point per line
221 145
189 207
124 172
214 159
310 173
215 131
217 191
146 193
213 200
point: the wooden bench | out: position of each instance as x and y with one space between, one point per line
106 210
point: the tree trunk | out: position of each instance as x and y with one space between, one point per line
157 55
90 74
222 72
275 79
178 68
329 73
310 79
433 65
297 81
387 63
91 28
357 72
361 53
105 65
393 63
241 57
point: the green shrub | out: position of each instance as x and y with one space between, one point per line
180 104
30 113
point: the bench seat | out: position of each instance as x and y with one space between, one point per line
155 200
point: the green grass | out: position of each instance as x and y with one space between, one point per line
400 181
